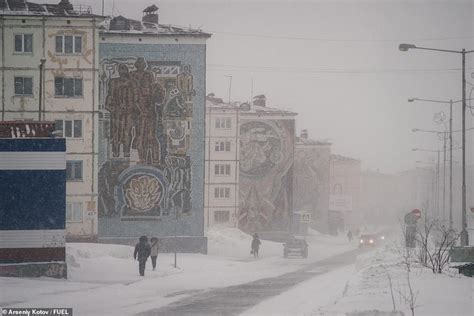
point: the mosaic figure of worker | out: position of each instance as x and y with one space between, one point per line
150 94
120 101
185 83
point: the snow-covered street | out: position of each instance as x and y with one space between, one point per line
338 278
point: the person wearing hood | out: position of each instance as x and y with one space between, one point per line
255 245
141 253
155 247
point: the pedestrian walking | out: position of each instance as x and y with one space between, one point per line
141 253
154 249
255 245
349 235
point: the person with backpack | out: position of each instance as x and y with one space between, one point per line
154 248
141 253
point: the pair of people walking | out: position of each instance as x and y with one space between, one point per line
143 250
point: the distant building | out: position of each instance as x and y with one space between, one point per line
151 149
311 179
49 73
221 200
344 194
267 142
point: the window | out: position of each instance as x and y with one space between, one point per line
67 87
221 216
222 169
68 44
23 86
73 170
223 122
222 193
222 146
70 128
74 212
23 43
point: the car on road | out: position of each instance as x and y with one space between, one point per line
368 240
295 247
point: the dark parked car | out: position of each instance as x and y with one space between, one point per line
368 240
295 247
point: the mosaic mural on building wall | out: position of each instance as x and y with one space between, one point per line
311 183
147 109
266 174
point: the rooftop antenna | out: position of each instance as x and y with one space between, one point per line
251 91
103 2
230 86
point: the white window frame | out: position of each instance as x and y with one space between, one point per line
73 170
74 88
222 170
22 51
74 212
73 130
222 146
223 122
222 192
63 44
221 212
24 94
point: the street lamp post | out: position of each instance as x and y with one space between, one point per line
405 47
450 102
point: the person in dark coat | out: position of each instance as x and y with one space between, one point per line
349 236
155 247
141 253
255 245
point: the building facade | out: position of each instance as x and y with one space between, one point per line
267 142
49 67
221 194
152 108
311 180
344 194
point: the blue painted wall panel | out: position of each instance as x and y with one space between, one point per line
33 144
32 199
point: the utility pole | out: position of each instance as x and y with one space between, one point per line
175 236
230 86
450 164
103 2
437 186
40 92
464 234
445 138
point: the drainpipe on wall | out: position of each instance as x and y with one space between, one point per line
40 96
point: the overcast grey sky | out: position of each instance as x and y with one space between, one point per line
336 63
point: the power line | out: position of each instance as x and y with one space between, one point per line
347 40
269 69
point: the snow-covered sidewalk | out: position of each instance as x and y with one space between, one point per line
104 278
364 286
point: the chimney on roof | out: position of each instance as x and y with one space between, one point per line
150 14
65 5
259 100
304 134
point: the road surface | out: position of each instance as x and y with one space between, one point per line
234 300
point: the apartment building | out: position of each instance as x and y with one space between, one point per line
221 200
49 65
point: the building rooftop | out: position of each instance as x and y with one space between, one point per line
62 9
217 103
123 25
335 157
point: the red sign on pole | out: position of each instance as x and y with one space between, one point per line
416 212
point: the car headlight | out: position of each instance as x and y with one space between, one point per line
361 241
371 241
383 237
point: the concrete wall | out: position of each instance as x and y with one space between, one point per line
213 158
266 172
152 139
82 65
311 183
